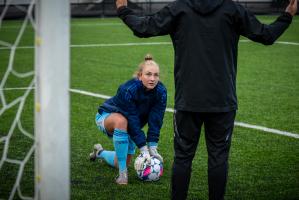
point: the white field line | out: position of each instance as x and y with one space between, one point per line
121 44
103 45
135 44
277 42
265 129
241 124
90 94
98 24
72 25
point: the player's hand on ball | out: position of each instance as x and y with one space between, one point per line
144 157
154 152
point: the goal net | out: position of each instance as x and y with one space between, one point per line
34 100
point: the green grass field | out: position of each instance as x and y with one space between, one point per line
262 165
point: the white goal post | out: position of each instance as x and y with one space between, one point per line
52 109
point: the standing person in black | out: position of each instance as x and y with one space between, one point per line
205 36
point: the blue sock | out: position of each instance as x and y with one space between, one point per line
108 156
121 143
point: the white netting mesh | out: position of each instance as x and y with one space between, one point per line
13 103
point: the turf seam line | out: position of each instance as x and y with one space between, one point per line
134 44
74 24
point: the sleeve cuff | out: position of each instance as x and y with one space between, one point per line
286 17
123 11
152 144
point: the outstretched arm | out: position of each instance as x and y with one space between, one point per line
292 7
159 23
249 26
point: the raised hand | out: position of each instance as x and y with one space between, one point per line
292 7
120 3
153 152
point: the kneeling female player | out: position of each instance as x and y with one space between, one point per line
139 101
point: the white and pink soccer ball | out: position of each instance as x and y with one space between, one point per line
151 172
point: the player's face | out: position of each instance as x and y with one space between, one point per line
150 76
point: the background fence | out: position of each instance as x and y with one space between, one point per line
106 8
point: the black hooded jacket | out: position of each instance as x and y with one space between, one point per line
205 35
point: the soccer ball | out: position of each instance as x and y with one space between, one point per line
151 172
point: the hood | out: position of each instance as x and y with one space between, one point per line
204 6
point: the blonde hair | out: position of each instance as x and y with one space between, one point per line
148 60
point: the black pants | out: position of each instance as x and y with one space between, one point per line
218 132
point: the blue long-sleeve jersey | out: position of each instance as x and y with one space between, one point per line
140 107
